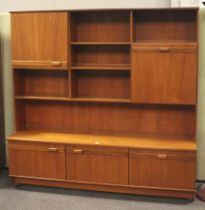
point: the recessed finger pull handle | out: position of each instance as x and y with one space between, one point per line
53 149
164 49
77 151
162 156
56 63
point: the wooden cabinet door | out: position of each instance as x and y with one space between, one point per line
40 39
162 169
37 160
164 74
97 164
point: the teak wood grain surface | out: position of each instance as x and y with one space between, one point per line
106 100
32 37
164 73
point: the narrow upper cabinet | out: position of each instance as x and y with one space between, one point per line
164 73
40 40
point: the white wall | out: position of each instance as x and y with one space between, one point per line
7 72
19 5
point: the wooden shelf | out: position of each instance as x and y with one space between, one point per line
42 83
101 84
100 26
34 68
100 43
162 25
120 100
45 98
120 67
100 55
182 144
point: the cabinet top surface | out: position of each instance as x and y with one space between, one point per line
180 144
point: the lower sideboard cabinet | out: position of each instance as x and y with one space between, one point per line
97 164
162 169
38 160
112 169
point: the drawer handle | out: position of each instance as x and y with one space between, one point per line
164 49
77 151
56 63
162 156
53 149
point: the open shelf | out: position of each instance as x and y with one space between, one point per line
41 83
147 120
100 56
165 25
100 26
101 84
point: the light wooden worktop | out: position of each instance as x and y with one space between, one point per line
180 144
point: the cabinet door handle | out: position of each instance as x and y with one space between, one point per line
56 63
164 49
77 151
162 156
53 149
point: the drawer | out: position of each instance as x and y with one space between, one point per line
97 164
41 160
162 169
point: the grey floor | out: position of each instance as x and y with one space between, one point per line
41 198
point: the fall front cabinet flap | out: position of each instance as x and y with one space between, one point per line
164 73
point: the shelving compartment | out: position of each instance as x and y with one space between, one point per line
42 83
105 118
99 56
101 26
101 84
165 26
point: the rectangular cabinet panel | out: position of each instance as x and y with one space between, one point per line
37 160
164 74
40 39
162 169
97 164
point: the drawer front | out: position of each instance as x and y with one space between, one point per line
163 169
40 160
97 164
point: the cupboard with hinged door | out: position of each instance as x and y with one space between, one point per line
34 33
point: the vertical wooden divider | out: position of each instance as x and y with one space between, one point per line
69 56
131 41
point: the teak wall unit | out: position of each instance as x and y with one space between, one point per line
106 100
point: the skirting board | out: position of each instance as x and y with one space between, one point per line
152 191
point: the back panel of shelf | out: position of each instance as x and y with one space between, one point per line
101 84
101 56
106 117
46 83
100 26
165 25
